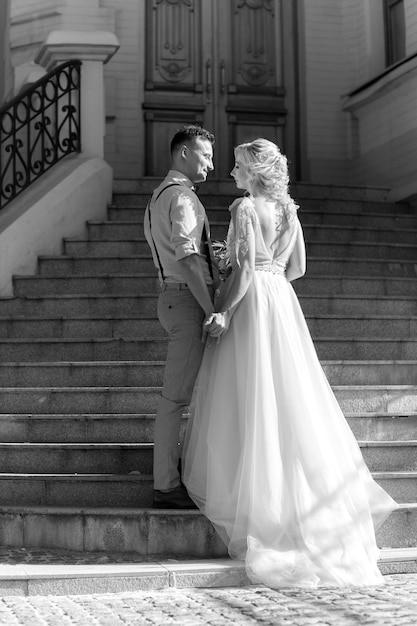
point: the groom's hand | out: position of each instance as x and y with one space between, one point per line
206 327
216 324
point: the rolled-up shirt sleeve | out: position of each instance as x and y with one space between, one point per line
186 225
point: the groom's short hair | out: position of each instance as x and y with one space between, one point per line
188 133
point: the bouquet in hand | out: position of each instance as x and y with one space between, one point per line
222 257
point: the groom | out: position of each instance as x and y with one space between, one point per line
177 231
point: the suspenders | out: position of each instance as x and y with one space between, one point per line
204 237
205 242
150 225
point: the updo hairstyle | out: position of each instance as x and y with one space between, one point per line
266 168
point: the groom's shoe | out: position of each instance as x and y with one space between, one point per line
177 498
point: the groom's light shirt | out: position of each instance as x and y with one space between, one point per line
177 218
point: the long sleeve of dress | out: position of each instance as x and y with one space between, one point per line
242 251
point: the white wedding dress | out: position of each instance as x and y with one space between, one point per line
268 455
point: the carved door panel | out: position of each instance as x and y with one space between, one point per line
216 63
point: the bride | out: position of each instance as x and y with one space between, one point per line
268 455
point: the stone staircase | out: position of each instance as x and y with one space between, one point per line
82 357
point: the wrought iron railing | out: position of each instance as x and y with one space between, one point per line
38 128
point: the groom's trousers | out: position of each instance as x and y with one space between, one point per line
182 317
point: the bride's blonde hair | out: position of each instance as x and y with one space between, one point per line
266 168
267 171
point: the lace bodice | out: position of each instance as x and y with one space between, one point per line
273 258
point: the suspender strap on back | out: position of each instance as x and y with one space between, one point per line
150 225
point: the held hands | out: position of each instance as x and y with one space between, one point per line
215 325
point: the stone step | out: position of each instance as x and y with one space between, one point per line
82 247
135 213
138 201
147 184
332 205
148 532
402 486
173 576
83 374
79 326
376 220
145 304
123 458
369 349
132 206
388 456
139 531
55 400
95 266
357 399
154 348
83 349
308 217
362 326
383 426
149 373
358 249
322 193
358 305
111 576
345 234
131 490
76 458
121 231
148 283
370 372
84 285
345 285
344 194
139 326
114 230
388 399
85 305
322 266
80 490
79 427
136 427
133 428
143 264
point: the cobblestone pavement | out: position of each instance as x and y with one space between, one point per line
394 604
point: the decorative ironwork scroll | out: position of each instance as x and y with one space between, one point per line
38 128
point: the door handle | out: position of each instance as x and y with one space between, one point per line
222 77
209 80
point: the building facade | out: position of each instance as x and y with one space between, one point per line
333 82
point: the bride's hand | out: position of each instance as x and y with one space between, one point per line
217 324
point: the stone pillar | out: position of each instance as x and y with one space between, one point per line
94 49
6 73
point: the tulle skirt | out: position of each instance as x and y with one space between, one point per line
269 457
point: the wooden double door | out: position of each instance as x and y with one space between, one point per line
227 65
